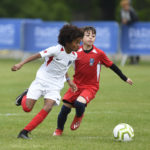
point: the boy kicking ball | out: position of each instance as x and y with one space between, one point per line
50 77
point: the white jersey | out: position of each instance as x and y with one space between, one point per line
50 77
56 64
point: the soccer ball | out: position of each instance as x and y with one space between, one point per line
123 132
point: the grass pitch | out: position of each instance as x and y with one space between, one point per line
116 102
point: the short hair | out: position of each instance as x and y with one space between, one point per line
89 28
124 2
69 33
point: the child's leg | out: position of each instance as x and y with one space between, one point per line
38 118
62 117
19 98
27 104
79 105
41 115
33 124
80 108
61 120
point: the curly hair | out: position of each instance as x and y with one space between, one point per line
69 33
89 28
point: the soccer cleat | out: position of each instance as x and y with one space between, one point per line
58 132
19 98
76 122
23 134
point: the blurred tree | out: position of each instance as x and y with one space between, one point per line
108 9
143 9
68 10
84 10
9 8
59 11
47 9
93 9
32 9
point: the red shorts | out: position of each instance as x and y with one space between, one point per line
87 93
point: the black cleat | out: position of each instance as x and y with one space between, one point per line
23 134
19 98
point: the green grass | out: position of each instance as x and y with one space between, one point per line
116 102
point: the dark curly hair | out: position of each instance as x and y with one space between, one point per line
69 33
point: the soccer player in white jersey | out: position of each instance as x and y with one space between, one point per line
87 75
50 77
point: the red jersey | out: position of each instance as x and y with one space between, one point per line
88 67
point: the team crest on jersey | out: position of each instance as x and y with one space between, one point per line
91 61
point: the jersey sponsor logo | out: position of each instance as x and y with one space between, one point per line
58 59
91 61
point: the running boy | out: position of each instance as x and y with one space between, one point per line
86 77
50 77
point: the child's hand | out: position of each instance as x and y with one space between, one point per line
129 81
72 86
16 67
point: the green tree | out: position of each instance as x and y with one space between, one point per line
69 10
59 11
143 9
44 9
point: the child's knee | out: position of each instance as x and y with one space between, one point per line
80 108
80 105
65 110
26 109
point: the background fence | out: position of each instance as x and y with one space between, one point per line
33 35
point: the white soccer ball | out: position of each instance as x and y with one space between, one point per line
123 132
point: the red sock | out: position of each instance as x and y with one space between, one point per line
23 103
36 120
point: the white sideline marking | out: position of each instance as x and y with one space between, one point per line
13 114
94 137
87 112
10 114
19 114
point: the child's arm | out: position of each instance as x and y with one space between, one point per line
120 74
31 58
71 84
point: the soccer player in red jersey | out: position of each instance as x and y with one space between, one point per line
87 75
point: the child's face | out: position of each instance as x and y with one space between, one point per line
89 38
126 7
74 45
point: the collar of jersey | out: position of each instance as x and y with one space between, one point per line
88 51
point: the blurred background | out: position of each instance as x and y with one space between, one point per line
70 10
32 25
